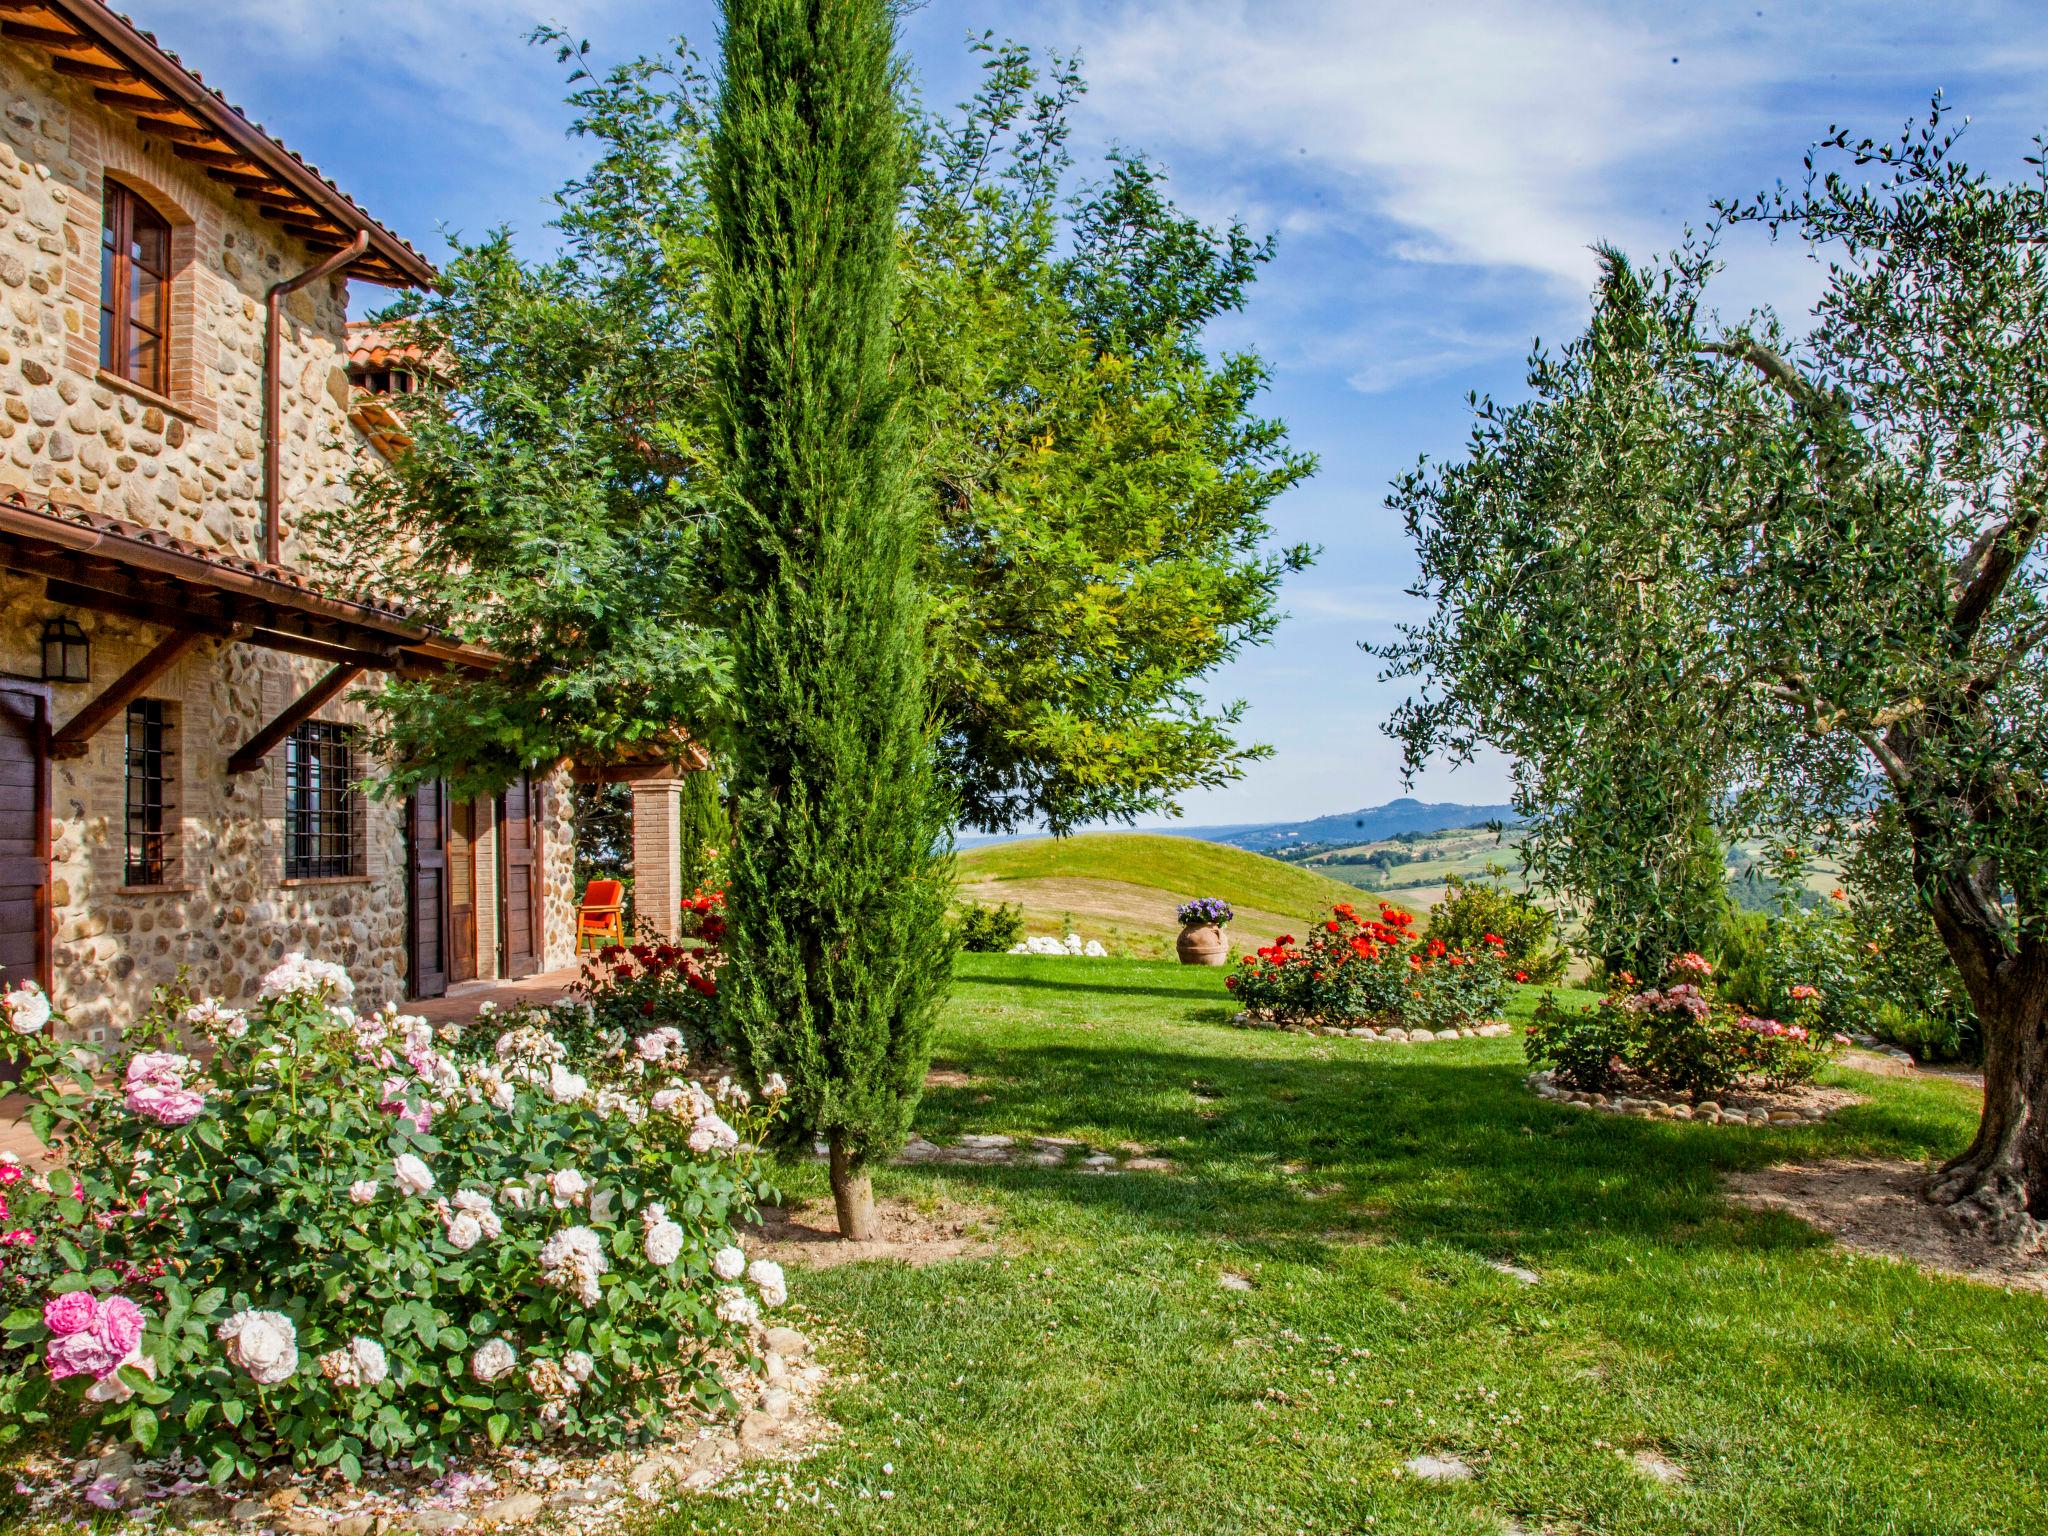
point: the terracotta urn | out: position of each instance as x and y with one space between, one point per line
1203 944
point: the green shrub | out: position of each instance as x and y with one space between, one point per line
343 1237
1582 1047
1472 911
1925 1036
989 930
1765 956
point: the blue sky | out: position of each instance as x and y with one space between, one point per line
1435 174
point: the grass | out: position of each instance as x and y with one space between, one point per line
1123 887
1096 1377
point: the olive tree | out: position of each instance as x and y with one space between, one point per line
1852 530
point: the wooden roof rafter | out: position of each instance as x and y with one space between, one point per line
133 75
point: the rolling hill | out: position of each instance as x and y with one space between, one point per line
1367 825
1123 887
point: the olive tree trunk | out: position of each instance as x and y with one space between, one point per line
1998 1187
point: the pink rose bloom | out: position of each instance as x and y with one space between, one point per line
73 1312
165 1068
81 1354
120 1325
166 1106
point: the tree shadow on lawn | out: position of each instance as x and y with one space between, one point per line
1296 1154
1186 994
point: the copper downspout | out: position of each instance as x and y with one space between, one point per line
273 388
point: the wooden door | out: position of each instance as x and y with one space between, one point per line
426 827
519 904
462 891
24 838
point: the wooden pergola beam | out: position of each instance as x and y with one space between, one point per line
303 708
79 731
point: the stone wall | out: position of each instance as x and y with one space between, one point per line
558 870
225 914
188 462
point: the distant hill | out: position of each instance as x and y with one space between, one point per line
1363 826
1123 887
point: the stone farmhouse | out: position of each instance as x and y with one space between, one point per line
181 784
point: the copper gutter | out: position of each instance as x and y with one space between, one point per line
273 387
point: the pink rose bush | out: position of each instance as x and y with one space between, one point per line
1682 1037
299 1232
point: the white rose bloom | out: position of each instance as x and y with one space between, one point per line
28 1010
518 1196
773 1087
363 1191
371 1366
712 1134
301 974
493 1358
566 1087
578 1366
664 1243
110 1388
768 1276
265 1344
729 1263
567 1187
464 1231
412 1176
736 1307
572 1260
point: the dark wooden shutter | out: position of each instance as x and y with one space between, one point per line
426 827
24 839
518 871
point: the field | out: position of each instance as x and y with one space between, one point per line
1122 888
1260 1338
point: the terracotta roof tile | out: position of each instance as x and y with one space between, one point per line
107 27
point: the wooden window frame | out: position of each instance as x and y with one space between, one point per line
149 779
323 806
120 208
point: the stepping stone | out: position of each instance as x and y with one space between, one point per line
1438 1469
1231 1280
982 1143
1149 1165
1515 1272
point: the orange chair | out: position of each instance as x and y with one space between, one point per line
600 917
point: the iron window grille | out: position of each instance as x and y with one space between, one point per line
148 793
323 814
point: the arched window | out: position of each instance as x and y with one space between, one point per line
135 291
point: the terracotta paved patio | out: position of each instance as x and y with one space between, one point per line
462 1003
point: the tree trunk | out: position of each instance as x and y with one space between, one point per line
853 1195
1999 1186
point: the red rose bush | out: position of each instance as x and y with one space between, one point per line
1353 970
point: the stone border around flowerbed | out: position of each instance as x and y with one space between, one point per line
1733 1109
1248 1019
778 1419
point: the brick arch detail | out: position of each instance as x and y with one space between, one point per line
196 226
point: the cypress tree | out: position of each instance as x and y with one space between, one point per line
841 868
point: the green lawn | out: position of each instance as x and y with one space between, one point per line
1096 1377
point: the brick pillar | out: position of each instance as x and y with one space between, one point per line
658 856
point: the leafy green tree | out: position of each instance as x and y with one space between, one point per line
1473 909
1858 542
1563 634
1097 484
841 874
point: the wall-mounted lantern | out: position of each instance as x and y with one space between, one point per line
67 654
